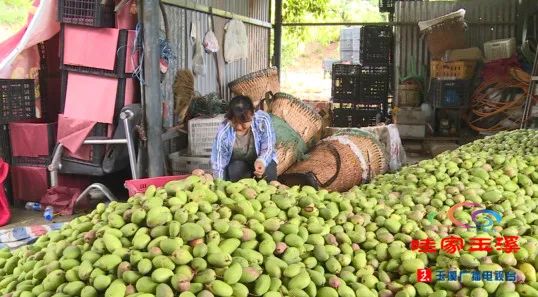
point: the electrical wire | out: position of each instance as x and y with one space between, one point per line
496 100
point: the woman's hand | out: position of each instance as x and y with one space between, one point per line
259 168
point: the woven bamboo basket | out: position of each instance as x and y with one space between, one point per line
301 117
286 157
335 166
255 85
373 152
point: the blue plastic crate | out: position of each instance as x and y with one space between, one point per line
450 93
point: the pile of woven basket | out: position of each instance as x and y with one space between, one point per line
336 163
342 161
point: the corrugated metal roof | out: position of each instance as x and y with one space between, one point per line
180 22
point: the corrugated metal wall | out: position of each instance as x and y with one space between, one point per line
487 20
180 22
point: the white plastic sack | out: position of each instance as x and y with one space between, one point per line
198 58
235 41
390 137
211 44
398 157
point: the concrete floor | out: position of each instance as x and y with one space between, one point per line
23 218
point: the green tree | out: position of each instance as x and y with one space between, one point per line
295 38
295 10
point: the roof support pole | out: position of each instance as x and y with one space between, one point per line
278 34
153 106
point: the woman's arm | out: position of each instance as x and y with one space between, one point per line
218 162
268 142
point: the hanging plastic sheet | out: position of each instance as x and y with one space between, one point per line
235 41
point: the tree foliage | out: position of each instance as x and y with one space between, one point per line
295 10
296 38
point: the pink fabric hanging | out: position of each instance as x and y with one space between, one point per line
5 213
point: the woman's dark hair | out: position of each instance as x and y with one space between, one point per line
240 110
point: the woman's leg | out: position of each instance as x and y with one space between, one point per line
270 172
238 170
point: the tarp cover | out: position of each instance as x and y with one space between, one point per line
20 236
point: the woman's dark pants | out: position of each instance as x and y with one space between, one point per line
238 170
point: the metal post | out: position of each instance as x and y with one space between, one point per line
270 18
55 164
278 34
153 107
125 117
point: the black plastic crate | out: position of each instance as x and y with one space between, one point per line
120 94
345 82
376 45
93 13
31 161
386 5
374 85
369 116
358 116
450 93
346 69
42 142
343 117
5 148
119 63
17 100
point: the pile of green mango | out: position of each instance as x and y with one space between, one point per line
201 238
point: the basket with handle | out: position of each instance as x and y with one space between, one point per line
289 145
301 117
255 85
286 157
444 33
333 164
368 146
374 152
409 94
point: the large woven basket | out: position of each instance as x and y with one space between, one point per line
286 157
334 165
301 117
255 85
373 152
444 33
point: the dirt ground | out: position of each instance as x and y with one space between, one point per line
306 79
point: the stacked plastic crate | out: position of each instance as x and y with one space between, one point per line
202 132
376 60
350 44
97 61
449 93
360 91
17 102
32 143
389 5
